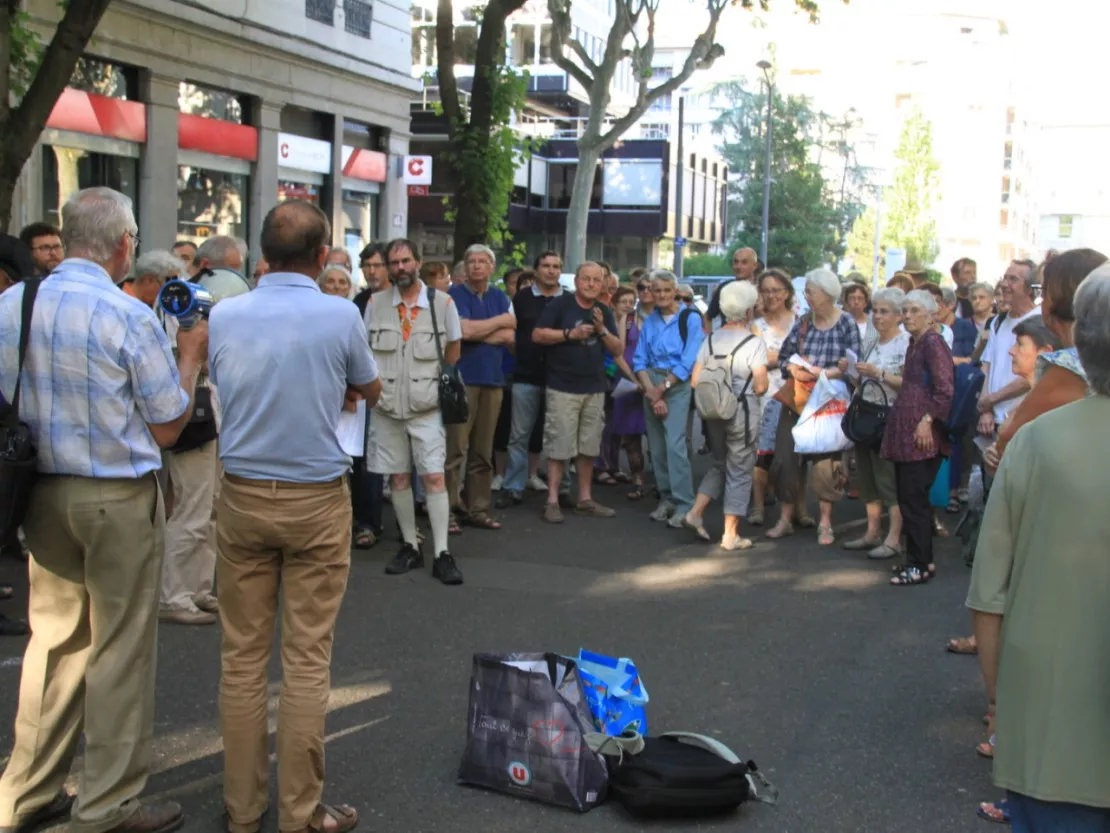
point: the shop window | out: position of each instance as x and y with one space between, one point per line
289 190
211 202
211 103
65 171
1066 223
92 75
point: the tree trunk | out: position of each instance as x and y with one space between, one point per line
7 193
578 217
471 204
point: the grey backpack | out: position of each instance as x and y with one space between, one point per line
713 396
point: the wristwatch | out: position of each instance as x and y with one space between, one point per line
667 384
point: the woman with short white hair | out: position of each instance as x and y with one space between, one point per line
336 280
915 439
822 338
743 356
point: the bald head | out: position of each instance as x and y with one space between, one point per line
295 238
743 264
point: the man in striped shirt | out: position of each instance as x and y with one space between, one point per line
102 395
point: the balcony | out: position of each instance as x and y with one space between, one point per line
322 11
357 16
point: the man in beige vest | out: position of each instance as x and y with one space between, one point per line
406 427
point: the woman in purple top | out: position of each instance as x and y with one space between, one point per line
915 438
628 411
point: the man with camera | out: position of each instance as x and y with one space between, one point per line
102 395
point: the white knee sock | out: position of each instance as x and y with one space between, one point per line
439 513
405 510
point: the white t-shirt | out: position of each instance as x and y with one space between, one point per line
772 341
891 358
997 354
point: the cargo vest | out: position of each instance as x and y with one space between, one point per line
409 370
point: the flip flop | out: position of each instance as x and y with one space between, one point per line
986 748
962 645
995 811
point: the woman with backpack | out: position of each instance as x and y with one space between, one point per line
730 374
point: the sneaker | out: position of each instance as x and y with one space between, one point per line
594 509
409 558
536 484
663 511
186 616
446 570
552 514
498 482
508 499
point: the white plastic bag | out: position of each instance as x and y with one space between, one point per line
818 430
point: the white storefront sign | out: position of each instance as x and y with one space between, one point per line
417 170
304 154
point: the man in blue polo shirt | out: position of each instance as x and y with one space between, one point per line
488 323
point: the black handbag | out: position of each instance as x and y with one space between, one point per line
18 455
864 422
452 390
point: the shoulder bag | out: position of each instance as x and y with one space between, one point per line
18 455
794 394
452 390
864 421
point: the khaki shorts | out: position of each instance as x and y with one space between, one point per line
398 444
573 425
876 477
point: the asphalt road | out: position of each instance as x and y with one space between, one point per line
799 657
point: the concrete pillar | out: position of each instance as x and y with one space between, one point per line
264 182
393 216
334 208
158 163
27 202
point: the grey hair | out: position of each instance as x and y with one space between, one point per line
346 257
94 220
336 267
217 249
826 281
923 299
890 295
980 286
665 275
460 270
158 262
738 299
480 249
948 294
1092 328
1033 268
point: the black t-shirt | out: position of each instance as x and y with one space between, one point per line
529 367
575 366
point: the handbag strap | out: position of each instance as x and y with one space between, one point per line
869 381
435 323
30 290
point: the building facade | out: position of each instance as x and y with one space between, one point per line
207 117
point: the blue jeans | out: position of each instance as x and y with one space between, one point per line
667 442
1031 815
527 403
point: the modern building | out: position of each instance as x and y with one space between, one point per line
1073 185
208 113
633 199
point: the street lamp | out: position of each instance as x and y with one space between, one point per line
679 236
765 68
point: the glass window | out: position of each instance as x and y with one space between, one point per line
210 102
466 44
561 184
65 171
92 75
289 190
210 203
545 43
1067 221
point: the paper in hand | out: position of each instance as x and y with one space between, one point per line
351 430
800 362
852 358
623 388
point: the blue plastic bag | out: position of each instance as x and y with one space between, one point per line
614 692
938 495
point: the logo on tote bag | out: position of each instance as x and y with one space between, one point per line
520 774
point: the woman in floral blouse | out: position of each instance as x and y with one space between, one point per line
915 438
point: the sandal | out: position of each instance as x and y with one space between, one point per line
481 521
825 536
953 506
996 811
910 577
782 529
605 479
735 544
346 817
898 568
637 492
755 517
986 748
364 538
453 527
962 645
697 526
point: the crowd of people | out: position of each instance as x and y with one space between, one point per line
219 466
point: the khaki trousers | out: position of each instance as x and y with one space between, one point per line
190 562
90 663
287 542
472 445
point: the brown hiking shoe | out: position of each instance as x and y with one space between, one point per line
593 509
163 817
552 514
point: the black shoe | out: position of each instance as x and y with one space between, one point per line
508 499
565 502
446 570
57 810
409 558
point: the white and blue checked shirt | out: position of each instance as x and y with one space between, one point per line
98 369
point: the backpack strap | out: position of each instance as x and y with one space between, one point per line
30 291
754 776
683 325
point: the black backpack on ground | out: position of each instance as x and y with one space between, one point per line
680 775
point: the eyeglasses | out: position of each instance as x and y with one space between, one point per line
686 299
47 247
643 287
134 236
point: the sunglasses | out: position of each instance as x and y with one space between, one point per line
686 299
643 287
